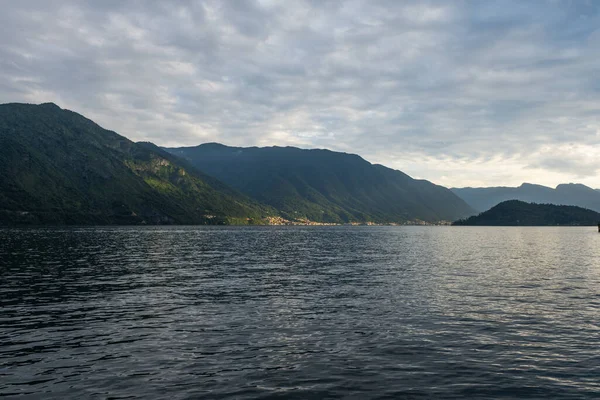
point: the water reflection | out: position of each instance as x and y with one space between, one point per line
305 312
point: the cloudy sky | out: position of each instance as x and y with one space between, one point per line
473 93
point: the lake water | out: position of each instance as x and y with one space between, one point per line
300 312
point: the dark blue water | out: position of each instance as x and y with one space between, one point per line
300 312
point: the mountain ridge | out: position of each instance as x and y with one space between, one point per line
324 185
58 167
575 194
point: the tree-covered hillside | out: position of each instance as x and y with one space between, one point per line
323 185
59 167
519 213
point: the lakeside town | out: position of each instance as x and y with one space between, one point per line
307 222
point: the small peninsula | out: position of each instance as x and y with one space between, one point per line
520 213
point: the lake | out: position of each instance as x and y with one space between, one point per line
300 312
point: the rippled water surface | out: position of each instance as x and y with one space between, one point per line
300 312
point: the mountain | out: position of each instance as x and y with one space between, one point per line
58 167
325 186
520 213
566 194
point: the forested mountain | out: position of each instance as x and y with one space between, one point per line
571 194
58 167
520 213
323 185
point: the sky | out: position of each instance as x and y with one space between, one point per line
462 93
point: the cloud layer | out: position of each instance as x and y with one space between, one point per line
460 93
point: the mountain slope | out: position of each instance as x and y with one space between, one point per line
323 185
566 194
58 167
519 213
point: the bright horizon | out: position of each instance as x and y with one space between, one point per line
461 94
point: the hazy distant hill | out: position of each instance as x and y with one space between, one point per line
520 213
323 185
59 167
567 194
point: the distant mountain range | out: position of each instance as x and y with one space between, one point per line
482 199
519 213
323 185
57 167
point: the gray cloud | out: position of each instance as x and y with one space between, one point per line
455 92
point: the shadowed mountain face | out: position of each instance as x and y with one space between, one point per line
571 194
323 185
59 167
520 213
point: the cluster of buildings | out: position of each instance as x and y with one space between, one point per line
299 221
305 221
